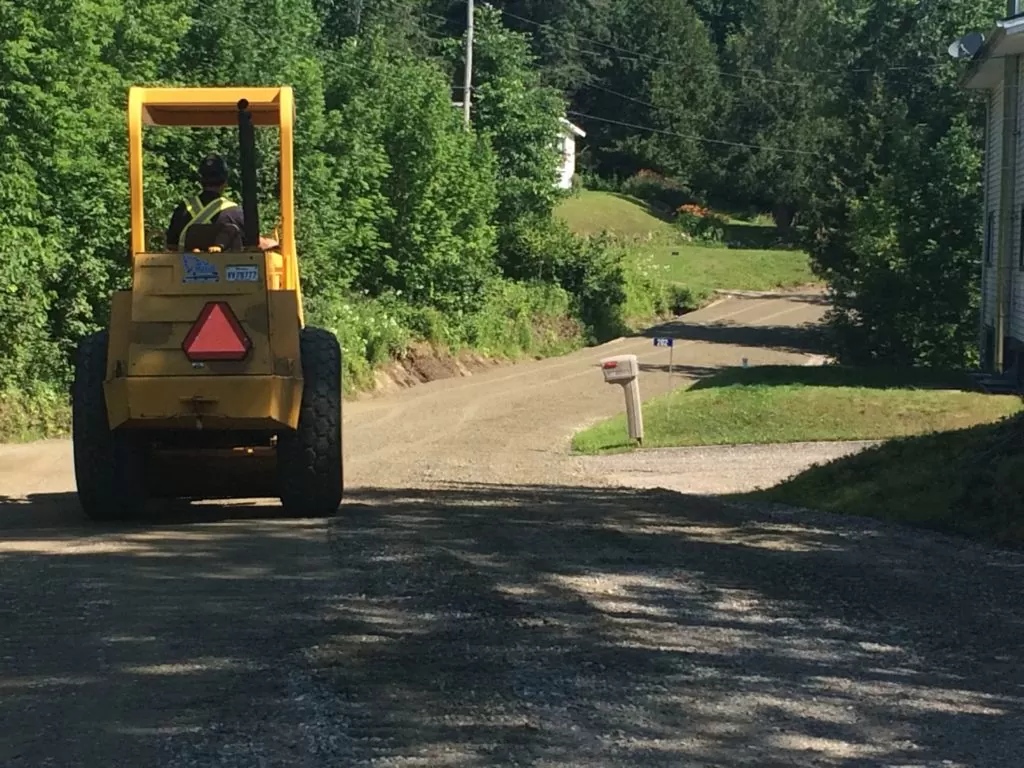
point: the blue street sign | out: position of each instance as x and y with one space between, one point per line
663 342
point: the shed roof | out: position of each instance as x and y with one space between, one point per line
572 128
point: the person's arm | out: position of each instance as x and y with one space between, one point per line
232 224
178 221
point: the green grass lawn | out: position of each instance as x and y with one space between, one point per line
967 482
591 212
751 262
703 269
780 404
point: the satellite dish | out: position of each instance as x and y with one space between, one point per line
967 46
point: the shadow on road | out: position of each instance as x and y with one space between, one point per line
482 625
41 511
784 338
696 372
171 641
591 627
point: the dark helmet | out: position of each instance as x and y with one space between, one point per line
213 169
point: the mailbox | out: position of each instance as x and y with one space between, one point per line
621 369
625 371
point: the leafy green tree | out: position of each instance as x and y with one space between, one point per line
519 116
658 71
63 88
893 219
417 190
776 61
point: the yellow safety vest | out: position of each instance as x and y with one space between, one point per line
203 215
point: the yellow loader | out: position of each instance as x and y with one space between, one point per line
207 384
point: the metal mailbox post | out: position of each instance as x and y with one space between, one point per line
625 370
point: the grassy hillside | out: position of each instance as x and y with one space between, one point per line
703 269
749 263
780 404
593 212
968 482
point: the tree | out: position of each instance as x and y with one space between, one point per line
519 116
659 71
778 71
893 223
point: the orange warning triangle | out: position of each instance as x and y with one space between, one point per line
217 335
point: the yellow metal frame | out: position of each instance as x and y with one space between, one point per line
147 384
215 107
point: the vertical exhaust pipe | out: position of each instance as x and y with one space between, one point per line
247 156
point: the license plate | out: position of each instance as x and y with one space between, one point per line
247 273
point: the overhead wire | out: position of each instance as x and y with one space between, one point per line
936 63
748 73
695 137
661 131
654 129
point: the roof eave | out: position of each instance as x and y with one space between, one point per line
573 128
985 70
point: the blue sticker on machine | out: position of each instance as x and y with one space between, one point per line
198 270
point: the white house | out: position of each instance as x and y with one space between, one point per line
996 72
566 144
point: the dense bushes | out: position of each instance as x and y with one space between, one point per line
409 226
662 191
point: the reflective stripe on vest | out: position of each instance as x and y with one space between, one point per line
204 215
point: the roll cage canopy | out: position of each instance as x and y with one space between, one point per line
211 108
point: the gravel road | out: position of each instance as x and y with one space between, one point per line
486 599
718 469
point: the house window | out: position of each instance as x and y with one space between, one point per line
989 232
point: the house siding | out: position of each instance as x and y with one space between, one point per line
1016 271
993 165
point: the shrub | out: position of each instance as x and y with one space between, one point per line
371 332
700 223
41 411
650 294
597 183
657 189
516 318
590 270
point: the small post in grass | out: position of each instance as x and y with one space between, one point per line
668 342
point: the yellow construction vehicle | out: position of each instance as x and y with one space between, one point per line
207 383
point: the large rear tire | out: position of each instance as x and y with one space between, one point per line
109 465
310 473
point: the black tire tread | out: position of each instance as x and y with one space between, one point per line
309 459
108 474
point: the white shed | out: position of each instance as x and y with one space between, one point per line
567 146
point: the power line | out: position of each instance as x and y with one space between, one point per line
638 55
652 129
694 137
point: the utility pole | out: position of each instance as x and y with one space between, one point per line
467 90
359 16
